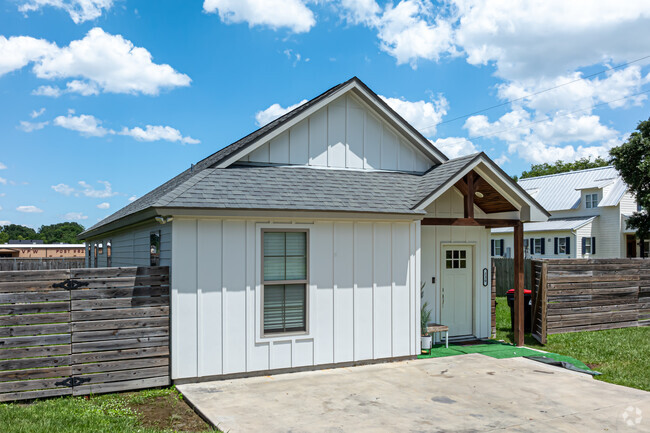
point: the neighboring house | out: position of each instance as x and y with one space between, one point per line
313 240
588 212
40 250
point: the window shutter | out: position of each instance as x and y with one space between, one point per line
502 249
531 246
593 245
568 245
543 242
584 246
555 250
492 247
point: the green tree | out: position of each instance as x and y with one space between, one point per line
63 232
17 232
632 160
562 167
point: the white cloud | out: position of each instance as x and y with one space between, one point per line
273 112
291 14
3 180
155 133
4 222
89 191
31 126
360 11
407 33
424 116
37 113
550 37
102 61
85 124
18 51
104 205
2 166
29 209
79 10
62 188
51 91
454 147
132 198
75 216
502 159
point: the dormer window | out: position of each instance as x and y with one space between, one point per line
591 201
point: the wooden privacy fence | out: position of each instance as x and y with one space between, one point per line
40 264
586 295
83 331
505 274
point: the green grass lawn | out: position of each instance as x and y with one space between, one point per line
621 355
148 411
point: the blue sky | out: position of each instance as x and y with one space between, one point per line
103 100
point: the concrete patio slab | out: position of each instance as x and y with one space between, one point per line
467 393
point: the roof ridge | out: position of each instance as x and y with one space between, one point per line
566 173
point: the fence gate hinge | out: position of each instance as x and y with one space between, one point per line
67 284
73 381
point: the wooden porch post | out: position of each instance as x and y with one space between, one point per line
519 284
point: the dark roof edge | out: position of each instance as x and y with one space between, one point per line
119 223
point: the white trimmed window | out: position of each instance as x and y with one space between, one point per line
591 201
284 281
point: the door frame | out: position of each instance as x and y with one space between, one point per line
441 264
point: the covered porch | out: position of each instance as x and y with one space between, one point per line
455 239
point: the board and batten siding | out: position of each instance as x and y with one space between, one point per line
130 247
363 298
342 135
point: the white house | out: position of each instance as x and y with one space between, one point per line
306 243
588 210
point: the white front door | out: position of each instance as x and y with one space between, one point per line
456 290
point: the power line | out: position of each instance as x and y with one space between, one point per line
547 118
464 116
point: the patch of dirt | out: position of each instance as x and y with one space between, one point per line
593 366
169 412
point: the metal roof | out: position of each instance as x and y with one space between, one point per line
551 225
563 191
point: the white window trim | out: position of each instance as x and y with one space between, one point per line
260 338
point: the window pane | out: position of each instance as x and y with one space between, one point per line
456 264
463 263
296 268
274 269
449 254
455 254
294 307
273 244
284 308
463 254
296 243
448 266
273 308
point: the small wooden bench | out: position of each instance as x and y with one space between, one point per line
435 327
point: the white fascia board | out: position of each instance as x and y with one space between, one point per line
427 148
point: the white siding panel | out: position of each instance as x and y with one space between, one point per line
382 291
372 142
401 295
336 134
343 292
257 355
363 291
318 138
279 149
183 302
234 287
303 353
299 144
321 278
406 157
261 154
389 148
355 128
281 357
209 298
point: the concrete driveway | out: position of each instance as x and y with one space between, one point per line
467 393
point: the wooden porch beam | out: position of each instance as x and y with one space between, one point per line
519 284
485 222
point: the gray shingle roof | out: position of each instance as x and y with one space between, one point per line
298 188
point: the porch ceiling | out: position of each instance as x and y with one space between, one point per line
491 201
